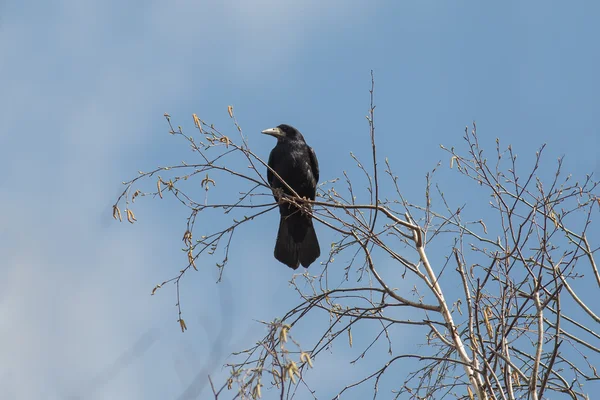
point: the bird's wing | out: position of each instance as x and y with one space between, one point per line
269 173
314 164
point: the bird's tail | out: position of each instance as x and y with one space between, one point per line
285 247
308 250
297 242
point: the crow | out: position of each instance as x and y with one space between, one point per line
296 163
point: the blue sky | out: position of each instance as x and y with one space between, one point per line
84 88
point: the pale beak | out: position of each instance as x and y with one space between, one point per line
274 132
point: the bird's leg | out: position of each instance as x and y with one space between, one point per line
306 208
278 193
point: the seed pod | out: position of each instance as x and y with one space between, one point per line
305 357
117 213
182 325
130 216
283 333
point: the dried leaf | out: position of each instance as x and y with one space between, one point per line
130 216
292 370
187 238
117 213
487 313
350 337
159 187
283 334
225 140
516 378
155 289
136 194
277 376
182 325
305 357
256 391
230 111
470 393
191 260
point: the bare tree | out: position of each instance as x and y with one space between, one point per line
517 323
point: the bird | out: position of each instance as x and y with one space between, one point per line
296 163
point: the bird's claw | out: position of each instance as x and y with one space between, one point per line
278 193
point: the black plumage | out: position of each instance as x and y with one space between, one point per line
296 163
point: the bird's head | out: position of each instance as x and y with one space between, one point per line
283 132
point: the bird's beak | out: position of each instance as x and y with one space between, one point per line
274 132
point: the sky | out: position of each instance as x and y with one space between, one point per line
85 85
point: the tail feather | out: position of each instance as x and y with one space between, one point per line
297 224
285 247
308 250
297 241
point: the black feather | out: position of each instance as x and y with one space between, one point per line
296 163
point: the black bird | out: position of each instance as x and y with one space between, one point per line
296 163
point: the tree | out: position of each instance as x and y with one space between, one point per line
521 325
